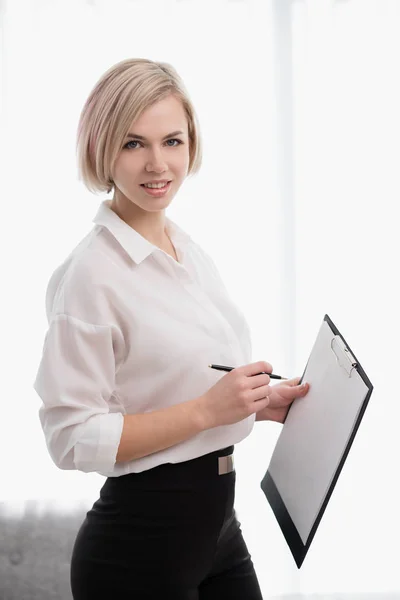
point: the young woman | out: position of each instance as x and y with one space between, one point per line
136 314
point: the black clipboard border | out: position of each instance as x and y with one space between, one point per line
297 547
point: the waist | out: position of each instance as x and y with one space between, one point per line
215 464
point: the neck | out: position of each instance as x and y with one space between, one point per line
151 226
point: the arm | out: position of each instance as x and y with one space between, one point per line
75 378
143 434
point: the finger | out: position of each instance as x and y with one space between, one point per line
294 391
293 382
259 380
301 390
289 382
257 368
260 393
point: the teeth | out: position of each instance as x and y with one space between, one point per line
155 185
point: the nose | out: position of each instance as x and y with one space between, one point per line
156 162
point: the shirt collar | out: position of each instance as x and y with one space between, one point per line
131 241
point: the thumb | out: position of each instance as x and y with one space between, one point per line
293 382
294 390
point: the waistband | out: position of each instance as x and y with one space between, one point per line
213 465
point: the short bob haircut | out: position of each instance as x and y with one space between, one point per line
116 101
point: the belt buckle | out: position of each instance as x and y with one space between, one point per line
225 464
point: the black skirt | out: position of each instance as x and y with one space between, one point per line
168 532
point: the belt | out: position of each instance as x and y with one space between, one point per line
225 464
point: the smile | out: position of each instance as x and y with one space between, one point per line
157 192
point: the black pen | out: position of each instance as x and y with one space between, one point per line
222 368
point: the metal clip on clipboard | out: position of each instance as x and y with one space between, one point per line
343 356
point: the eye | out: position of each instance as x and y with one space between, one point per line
128 147
175 140
131 142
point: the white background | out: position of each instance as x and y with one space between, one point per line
297 201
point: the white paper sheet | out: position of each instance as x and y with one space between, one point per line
316 431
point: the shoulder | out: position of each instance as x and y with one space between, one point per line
78 286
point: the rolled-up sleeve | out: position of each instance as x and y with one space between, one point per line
75 381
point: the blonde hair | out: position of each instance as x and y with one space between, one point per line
119 98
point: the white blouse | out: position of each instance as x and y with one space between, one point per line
131 330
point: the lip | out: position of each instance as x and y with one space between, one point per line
157 181
157 193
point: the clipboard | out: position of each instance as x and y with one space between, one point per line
316 438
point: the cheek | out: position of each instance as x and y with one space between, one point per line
181 164
124 167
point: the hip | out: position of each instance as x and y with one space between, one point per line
174 514
181 489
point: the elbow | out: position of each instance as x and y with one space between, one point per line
61 457
62 450
73 458
89 447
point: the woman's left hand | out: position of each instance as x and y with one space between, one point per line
281 397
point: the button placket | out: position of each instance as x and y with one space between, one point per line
208 307
193 288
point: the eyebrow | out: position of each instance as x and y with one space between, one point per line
141 137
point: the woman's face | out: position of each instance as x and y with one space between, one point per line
153 158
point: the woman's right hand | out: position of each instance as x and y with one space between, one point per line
237 395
